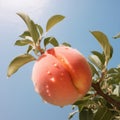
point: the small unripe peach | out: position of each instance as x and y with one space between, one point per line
61 76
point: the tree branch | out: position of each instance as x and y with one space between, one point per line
110 100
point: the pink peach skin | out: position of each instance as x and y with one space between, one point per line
61 76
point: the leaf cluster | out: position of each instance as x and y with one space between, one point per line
103 100
32 38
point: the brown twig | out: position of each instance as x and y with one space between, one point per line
110 100
41 50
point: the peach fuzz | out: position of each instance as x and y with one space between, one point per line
61 76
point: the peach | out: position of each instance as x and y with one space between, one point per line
61 76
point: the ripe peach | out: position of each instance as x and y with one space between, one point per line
61 76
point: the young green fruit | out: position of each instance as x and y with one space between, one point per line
61 76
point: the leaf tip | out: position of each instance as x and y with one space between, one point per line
19 13
8 76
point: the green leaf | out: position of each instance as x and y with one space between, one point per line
53 20
86 114
25 34
100 56
29 49
40 29
50 40
84 102
104 42
18 62
23 42
66 44
96 61
31 26
72 114
94 71
103 113
113 71
117 36
113 76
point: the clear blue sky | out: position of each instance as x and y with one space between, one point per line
18 100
